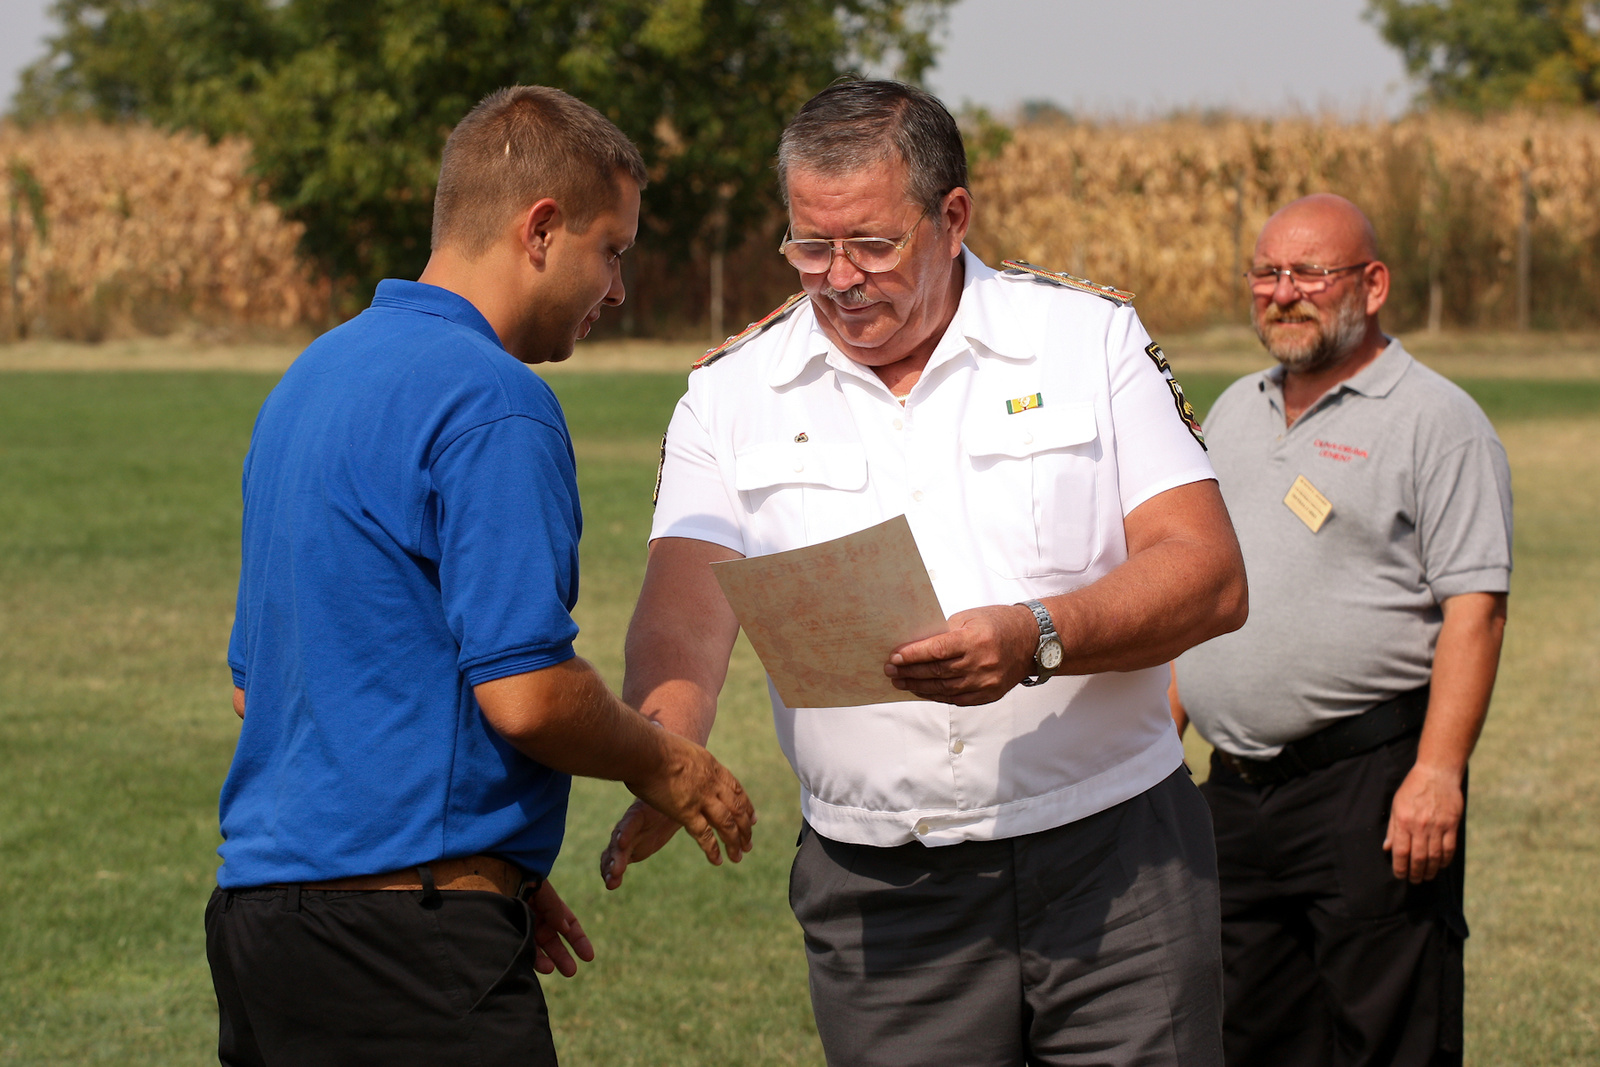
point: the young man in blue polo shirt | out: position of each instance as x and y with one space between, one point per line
402 652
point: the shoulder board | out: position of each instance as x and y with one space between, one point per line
1119 297
774 317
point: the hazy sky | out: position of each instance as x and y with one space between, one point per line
1133 57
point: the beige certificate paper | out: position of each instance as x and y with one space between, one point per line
824 618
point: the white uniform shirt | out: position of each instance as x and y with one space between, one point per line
1003 506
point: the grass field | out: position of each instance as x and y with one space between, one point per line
118 554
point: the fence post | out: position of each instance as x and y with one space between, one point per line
719 258
1434 223
24 186
1525 251
17 330
1238 238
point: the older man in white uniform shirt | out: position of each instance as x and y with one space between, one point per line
1017 868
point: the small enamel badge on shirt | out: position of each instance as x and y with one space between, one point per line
1308 505
1023 403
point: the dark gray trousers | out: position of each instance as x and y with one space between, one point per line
1096 942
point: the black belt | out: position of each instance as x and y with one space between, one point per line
1378 725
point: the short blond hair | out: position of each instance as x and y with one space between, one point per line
522 144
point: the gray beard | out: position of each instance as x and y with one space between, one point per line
1336 340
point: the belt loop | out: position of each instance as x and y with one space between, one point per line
431 897
291 897
529 885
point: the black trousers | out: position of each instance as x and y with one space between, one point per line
319 978
1093 943
1329 960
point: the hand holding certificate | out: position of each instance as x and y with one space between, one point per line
825 618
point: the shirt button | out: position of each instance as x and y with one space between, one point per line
920 829
916 494
1027 438
798 467
933 575
899 424
957 745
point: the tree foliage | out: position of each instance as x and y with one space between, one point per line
348 102
1496 53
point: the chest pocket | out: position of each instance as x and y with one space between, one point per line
1032 489
800 493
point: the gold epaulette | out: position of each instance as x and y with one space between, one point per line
1119 297
777 315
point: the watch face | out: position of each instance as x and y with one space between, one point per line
1050 654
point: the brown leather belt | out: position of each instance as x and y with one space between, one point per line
487 874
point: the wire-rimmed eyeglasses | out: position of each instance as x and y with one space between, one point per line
874 255
1306 277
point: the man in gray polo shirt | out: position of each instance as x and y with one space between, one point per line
1373 505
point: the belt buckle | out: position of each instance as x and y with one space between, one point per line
1243 770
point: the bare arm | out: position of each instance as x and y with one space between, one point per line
238 701
1426 815
680 637
677 659
566 718
1182 583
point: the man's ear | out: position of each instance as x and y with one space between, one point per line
956 214
1377 286
535 227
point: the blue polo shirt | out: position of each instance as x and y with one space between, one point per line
411 530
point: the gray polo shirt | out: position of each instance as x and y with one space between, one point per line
1347 615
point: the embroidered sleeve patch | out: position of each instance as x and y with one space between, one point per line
1023 403
1185 409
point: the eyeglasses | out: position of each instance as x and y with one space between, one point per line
1305 277
874 255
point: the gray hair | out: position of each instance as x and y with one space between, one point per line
854 124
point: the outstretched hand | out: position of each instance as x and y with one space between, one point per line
701 795
985 653
554 929
640 833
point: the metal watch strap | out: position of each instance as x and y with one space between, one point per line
1047 629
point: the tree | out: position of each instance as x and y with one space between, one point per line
348 102
1496 53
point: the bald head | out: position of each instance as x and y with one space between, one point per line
1325 318
1323 229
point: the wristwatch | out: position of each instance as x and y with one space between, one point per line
1047 657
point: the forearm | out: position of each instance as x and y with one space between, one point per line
672 679
1173 592
565 718
1465 662
680 638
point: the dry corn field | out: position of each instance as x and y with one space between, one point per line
130 230
1171 209
146 232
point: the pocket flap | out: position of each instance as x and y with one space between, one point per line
1036 430
807 463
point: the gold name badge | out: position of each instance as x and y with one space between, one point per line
1308 505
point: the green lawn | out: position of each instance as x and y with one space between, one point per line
118 554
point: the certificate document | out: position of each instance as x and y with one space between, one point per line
824 618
